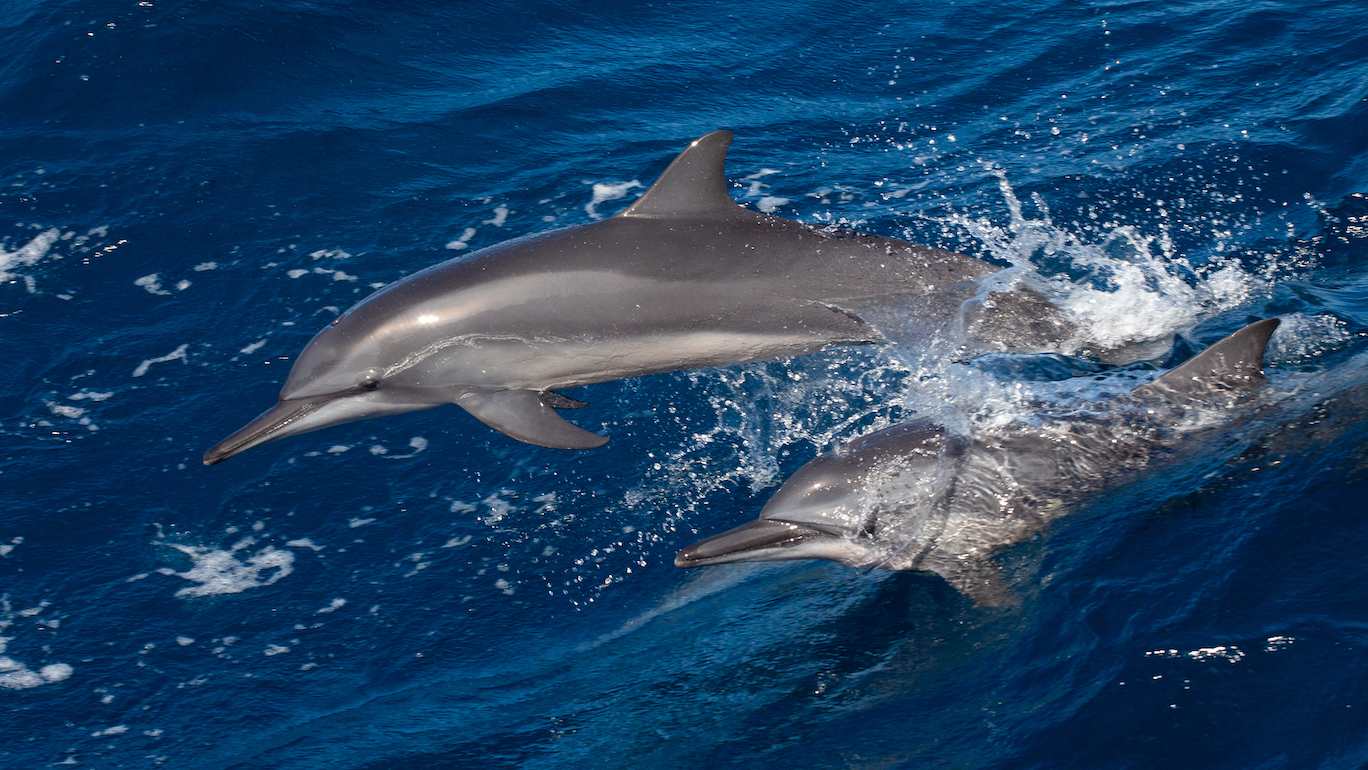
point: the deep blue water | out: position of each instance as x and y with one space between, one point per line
189 190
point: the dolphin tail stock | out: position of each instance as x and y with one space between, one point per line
1233 364
528 416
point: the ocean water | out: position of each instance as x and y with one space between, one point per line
190 190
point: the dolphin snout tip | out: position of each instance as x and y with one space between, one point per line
224 449
216 454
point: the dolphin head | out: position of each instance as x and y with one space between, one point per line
861 505
343 374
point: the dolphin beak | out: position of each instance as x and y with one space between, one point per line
761 540
276 422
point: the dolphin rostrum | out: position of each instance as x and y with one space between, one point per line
683 278
917 497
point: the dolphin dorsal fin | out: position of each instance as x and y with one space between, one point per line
694 185
1234 363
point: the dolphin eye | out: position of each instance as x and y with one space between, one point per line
370 383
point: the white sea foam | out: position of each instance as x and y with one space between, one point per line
604 192
463 241
756 189
152 283
337 275
177 354
216 571
91 395
498 507
304 542
72 413
418 564
417 444
770 203
62 410
15 675
254 347
1226 652
500 216
333 606
25 256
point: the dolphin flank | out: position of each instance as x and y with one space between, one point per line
917 497
683 278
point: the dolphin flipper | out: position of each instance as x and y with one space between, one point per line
980 580
1234 363
561 401
525 416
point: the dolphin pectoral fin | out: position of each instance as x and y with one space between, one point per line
979 580
1234 363
524 415
560 401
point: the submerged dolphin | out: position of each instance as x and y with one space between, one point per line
683 278
916 497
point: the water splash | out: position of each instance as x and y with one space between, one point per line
1121 286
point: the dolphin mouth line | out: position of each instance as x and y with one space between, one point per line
261 429
745 541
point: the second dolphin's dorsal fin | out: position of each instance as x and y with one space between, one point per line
695 184
1234 363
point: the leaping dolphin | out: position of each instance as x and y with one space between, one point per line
683 278
917 497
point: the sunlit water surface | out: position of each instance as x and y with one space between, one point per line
188 191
